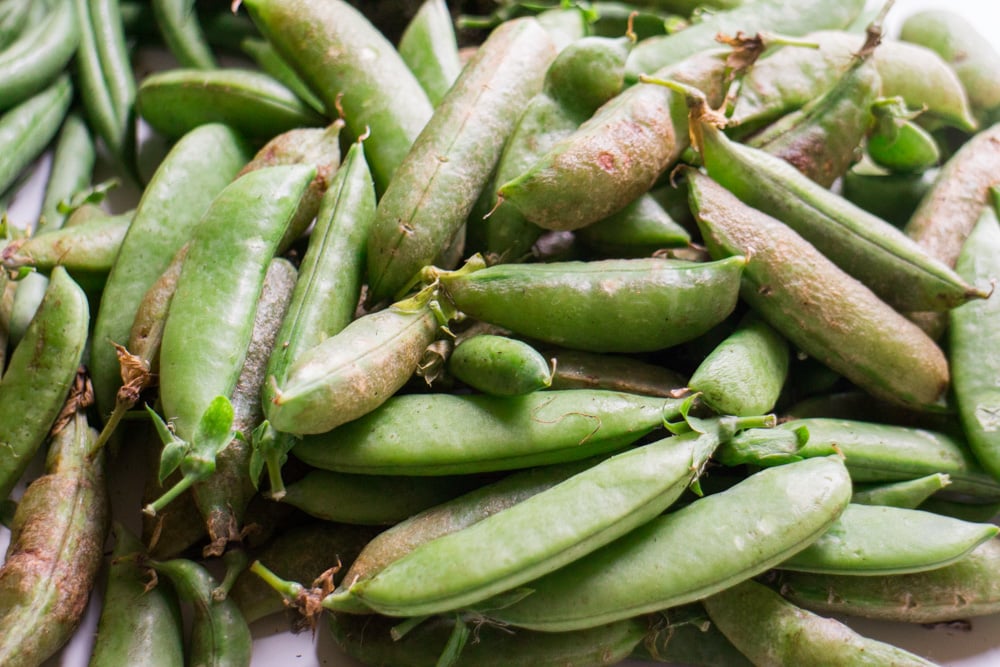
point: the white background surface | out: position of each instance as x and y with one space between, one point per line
979 647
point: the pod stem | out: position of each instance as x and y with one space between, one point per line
171 494
236 562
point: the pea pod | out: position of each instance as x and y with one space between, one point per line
701 549
429 48
892 197
640 229
72 169
896 142
176 101
336 50
772 631
443 434
33 61
181 30
500 366
14 16
39 375
272 64
586 370
450 162
908 494
26 129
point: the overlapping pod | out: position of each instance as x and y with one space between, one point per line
36 57
26 129
499 365
429 48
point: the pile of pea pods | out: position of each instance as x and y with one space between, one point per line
498 333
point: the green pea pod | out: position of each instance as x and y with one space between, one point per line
136 623
56 548
897 143
701 549
685 635
72 170
176 101
892 197
745 373
39 375
200 165
346 61
772 631
963 590
978 512
542 533
791 78
14 16
500 366
586 370
909 494
354 371
371 641
874 541
26 129
262 53
444 434
219 634
974 356
181 30
970 54
786 17
429 48
450 162
668 301
640 229
32 62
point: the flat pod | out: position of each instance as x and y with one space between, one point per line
604 306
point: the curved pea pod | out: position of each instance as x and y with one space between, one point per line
41 51
542 533
892 197
617 154
429 48
136 623
219 633
909 494
588 370
336 50
801 294
39 375
370 640
701 549
500 366
791 78
440 179
966 50
776 16
973 345
896 142
772 631
72 169
634 305
868 540
443 434
14 16
178 24
200 165
640 229
176 101
56 548
356 370
745 373
272 64
26 129
962 590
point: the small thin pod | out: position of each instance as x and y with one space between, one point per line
909 493
178 24
588 370
26 129
272 64
72 169
429 48
35 59
773 632
500 366
896 142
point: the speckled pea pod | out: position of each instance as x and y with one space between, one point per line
176 101
220 636
667 302
773 632
429 48
26 129
586 370
500 366
683 556
975 358
892 197
337 51
39 375
179 26
136 623
896 142
437 184
56 548
443 434
965 589
908 494
745 373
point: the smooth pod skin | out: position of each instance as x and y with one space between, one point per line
701 549
72 169
635 305
178 25
35 59
587 370
254 104
354 371
200 165
368 639
638 230
443 434
897 143
500 366
965 589
26 129
892 197
775 16
136 623
974 340
220 636
538 535
869 540
56 549
272 64
745 373
773 632
39 375
818 307
909 494
429 48
336 50
441 177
